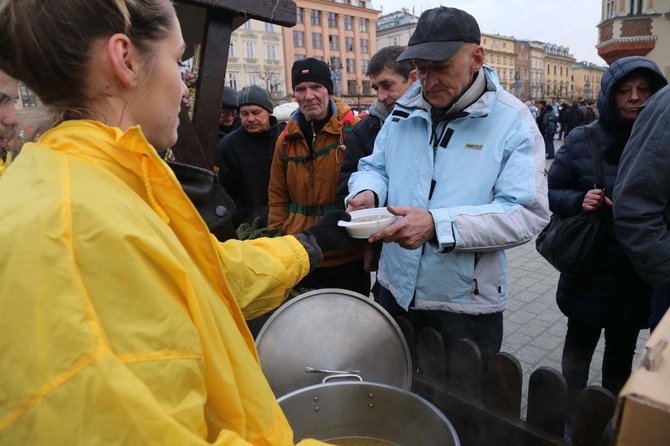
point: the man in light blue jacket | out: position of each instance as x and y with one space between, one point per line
461 162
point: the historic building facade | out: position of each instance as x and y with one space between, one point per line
558 65
635 28
500 55
586 79
343 34
256 57
395 28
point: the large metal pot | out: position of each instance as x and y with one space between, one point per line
362 409
331 333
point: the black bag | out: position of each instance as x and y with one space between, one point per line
571 244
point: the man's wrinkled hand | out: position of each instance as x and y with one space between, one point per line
363 200
414 228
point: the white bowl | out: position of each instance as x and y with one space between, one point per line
366 222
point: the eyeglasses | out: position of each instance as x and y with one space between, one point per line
228 112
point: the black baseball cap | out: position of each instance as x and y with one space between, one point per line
440 33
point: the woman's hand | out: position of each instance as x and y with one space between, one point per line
594 199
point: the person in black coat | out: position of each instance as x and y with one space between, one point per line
573 118
612 296
246 154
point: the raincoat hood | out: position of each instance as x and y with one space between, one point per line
609 116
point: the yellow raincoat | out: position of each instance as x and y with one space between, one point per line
117 307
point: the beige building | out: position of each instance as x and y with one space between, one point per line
537 72
586 79
395 28
256 57
499 54
343 34
635 28
558 66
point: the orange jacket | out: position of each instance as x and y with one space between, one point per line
300 189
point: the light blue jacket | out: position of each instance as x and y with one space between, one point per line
489 193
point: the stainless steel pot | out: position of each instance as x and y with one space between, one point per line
363 409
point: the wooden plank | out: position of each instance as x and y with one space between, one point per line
212 72
465 367
504 384
280 12
547 399
431 356
478 424
595 408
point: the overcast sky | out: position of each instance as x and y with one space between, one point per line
570 23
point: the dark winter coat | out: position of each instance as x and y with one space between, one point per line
613 294
244 171
360 143
573 118
641 198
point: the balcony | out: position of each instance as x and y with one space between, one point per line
626 36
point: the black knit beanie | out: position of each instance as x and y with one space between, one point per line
311 70
229 99
255 95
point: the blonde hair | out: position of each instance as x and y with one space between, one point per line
47 43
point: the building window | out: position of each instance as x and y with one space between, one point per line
271 52
250 50
332 20
333 42
561 71
348 22
548 69
363 25
299 13
231 49
610 9
504 60
351 65
298 38
395 40
366 88
316 40
253 78
319 58
273 83
315 18
554 70
247 24
635 6
299 57
364 45
335 63
269 27
232 80
348 43
498 60
364 66
351 88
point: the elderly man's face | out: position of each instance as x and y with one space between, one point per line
9 94
227 117
255 119
313 99
445 80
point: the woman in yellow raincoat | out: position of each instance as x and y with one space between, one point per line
122 317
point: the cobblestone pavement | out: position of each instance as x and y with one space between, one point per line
534 327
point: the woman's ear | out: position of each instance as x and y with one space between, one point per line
123 57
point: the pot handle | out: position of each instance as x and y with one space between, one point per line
342 376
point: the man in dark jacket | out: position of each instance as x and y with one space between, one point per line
573 118
246 156
390 80
641 200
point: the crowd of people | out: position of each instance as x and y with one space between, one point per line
133 305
